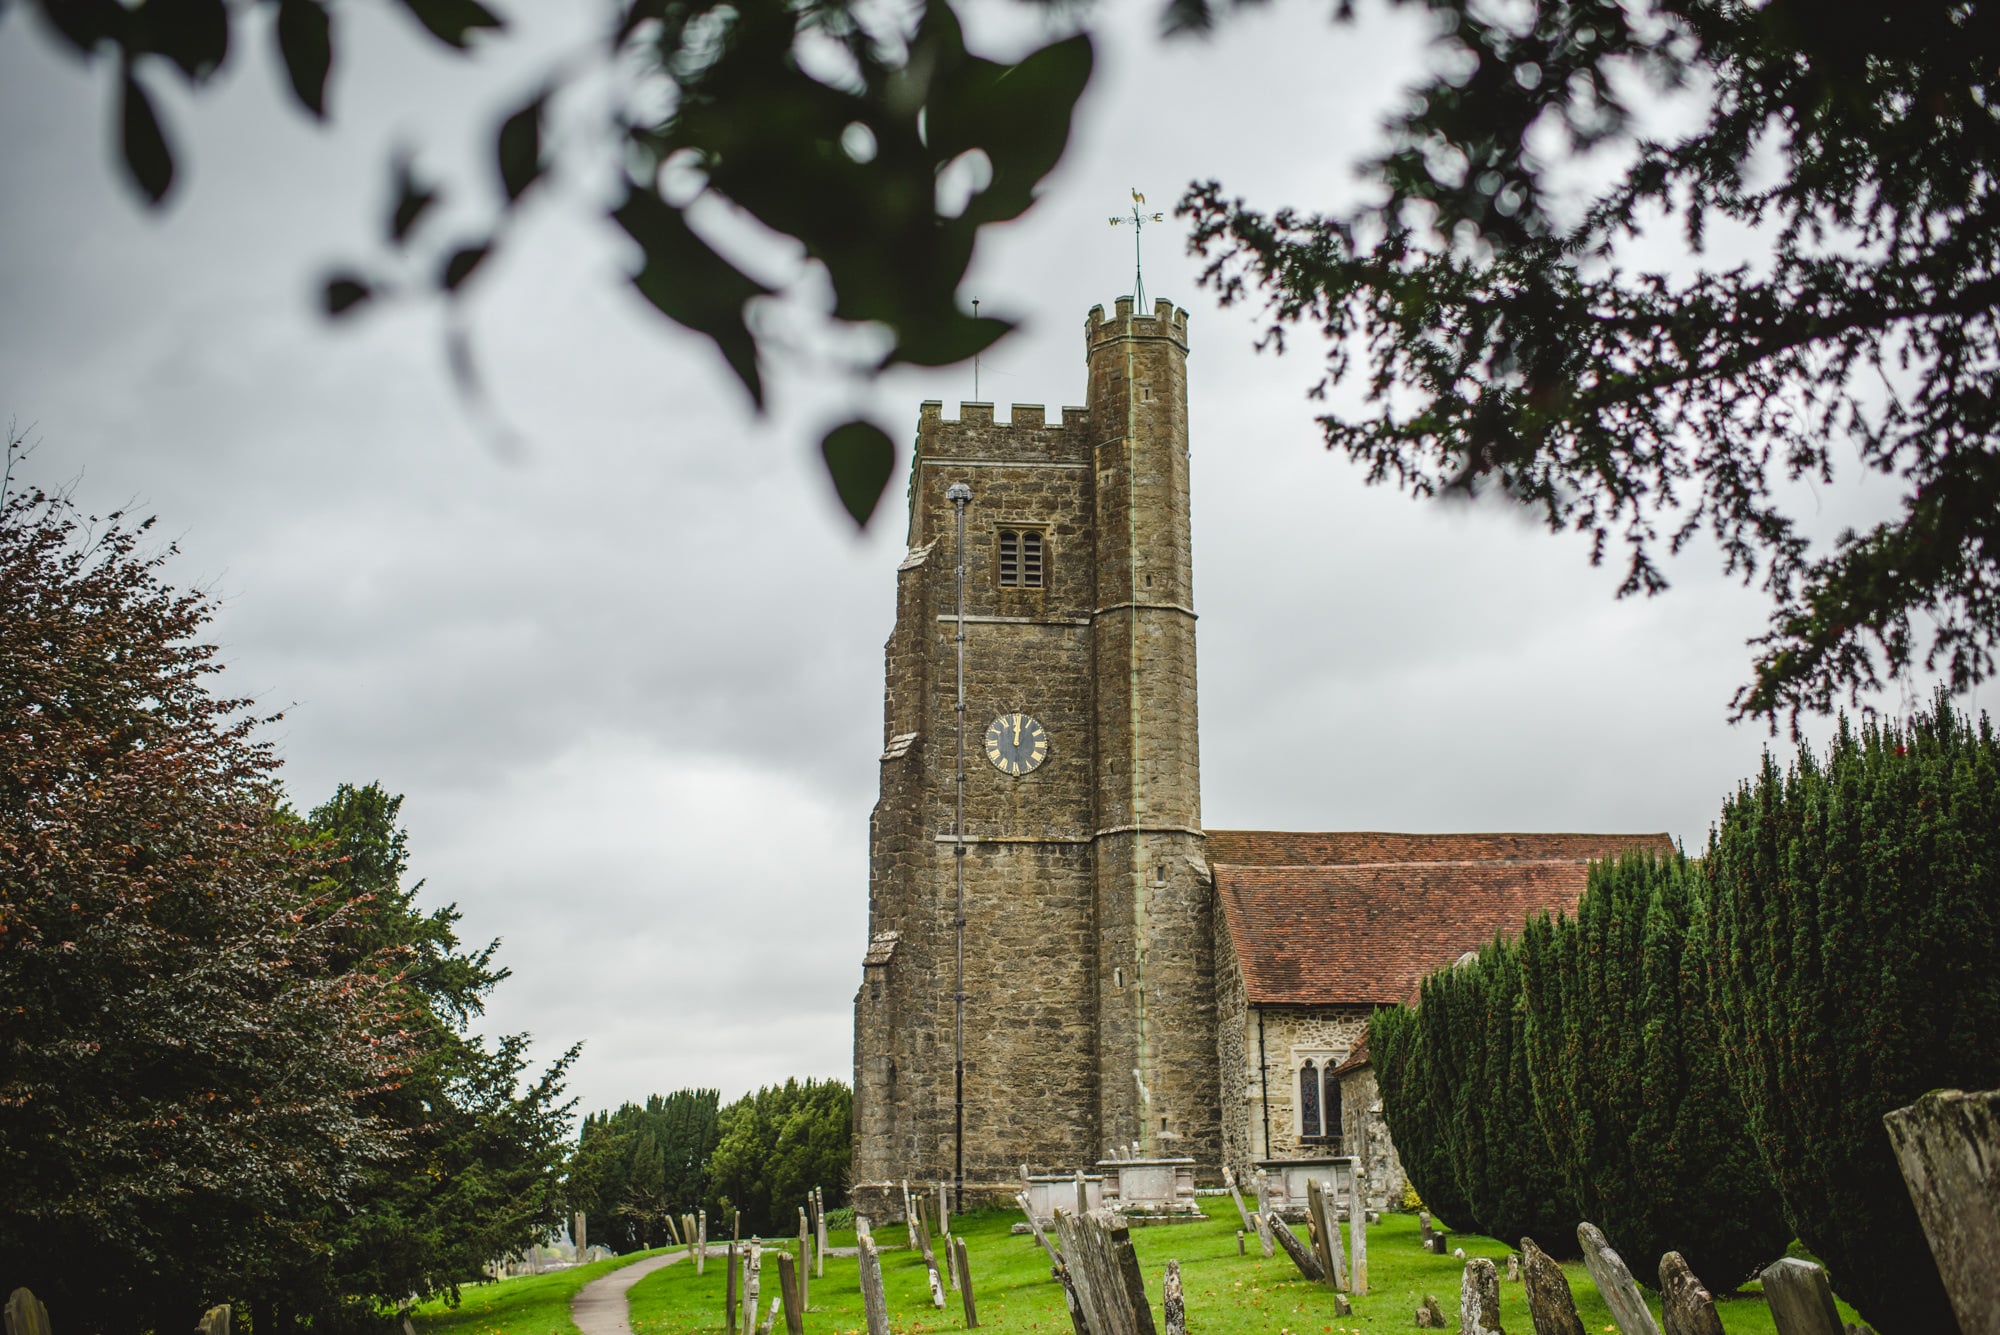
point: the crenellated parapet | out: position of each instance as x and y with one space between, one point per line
1028 438
1167 321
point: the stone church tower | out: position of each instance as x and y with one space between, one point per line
1088 942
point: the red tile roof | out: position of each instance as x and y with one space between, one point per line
1366 924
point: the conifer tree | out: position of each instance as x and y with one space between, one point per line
1629 1087
1415 1112
1853 920
1503 1163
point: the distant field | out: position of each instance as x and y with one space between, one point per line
1226 1294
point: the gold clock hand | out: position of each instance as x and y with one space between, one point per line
1017 729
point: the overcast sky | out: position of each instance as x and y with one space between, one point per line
629 674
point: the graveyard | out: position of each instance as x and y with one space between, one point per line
1229 1287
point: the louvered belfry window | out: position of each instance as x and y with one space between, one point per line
1021 558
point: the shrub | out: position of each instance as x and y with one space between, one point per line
1629 1086
1853 920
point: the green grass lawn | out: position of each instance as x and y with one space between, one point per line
525 1305
1227 1294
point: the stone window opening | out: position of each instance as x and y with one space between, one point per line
1023 563
1318 1114
1309 1125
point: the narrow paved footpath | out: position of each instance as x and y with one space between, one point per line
602 1306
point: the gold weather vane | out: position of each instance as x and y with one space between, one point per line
1138 218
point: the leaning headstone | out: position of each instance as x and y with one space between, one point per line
1429 1315
1357 1229
26 1315
1800 1299
1236 1194
1035 1225
944 1211
729 1292
1614 1281
1479 1299
963 1269
1342 1307
1103 1273
1948 1146
789 1275
1324 1230
1264 1239
1307 1263
1172 1304
1686 1308
937 1283
873 1304
1551 1306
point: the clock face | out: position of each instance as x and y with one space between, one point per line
1016 744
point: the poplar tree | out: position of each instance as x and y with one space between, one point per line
1853 920
1628 1078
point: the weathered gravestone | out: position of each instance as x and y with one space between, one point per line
1479 1299
1429 1315
1103 1273
1173 1305
1800 1299
790 1272
1236 1194
873 1303
1325 1233
1035 1225
1424 1229
1948 1145
1513 1267
1551 1306
1307 1263
962 1267
1614 1281
1686 1308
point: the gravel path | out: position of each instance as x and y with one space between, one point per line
601 1307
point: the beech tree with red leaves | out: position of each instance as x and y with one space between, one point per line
187 1054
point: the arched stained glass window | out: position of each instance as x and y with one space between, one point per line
1309 1125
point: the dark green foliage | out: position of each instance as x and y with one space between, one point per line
236 1066
1629 1084
778 1144
1504 1166
1415 1104
1853 925
1456 1076
640 1166
1504 348
188 1035
481 1141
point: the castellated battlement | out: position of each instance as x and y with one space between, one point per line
1031 415
1028 438
1167 321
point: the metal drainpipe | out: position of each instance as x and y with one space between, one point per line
960 496
1263 1082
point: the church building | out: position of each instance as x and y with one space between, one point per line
1063 963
